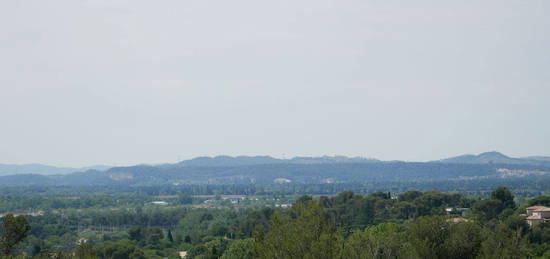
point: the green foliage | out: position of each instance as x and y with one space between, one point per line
122 249
409 196
540 201
503 245
464 240
504 195
85 251
241 249
312 234
429 235
347 225
488 209
136 233
211 249
154 235
14 230
540 234
381 241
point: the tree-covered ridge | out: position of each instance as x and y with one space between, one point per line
303 173
412 224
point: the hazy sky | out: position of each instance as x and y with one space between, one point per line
124 82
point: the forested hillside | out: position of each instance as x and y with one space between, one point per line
411 224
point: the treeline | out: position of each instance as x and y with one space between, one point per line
44 198
33 203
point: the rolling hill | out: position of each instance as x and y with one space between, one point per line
495 158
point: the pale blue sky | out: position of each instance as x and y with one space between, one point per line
125 82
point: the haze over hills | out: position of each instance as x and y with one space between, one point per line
538 158
492 157
230 161
9 169
268 170
259 160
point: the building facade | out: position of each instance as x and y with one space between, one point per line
537 215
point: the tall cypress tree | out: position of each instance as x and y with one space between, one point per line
170 237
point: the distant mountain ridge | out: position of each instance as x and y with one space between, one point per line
494 157
273 173
491 157
266 169
217 161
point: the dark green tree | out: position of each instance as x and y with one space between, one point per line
187 239
540 201
409 196
136 233
487 209
154 235
504 195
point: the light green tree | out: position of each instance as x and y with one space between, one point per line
241 249
383 241
312 234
